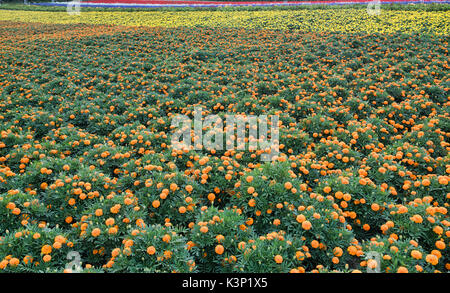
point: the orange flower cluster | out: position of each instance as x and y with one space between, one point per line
86 162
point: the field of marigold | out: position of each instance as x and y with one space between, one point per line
349 20
87 165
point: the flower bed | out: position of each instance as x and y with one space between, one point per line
182 3
87 166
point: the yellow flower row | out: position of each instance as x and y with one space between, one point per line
340 20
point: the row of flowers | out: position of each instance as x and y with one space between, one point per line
317 20
87 166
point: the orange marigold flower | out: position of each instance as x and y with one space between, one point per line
278 259
46 249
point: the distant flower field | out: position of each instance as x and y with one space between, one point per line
338 20
87 165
